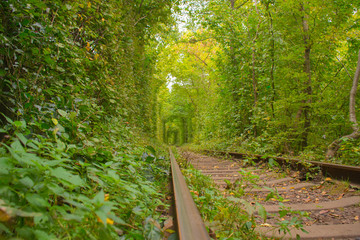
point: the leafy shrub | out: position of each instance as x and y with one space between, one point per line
52 189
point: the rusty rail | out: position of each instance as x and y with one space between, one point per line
189 222
336 171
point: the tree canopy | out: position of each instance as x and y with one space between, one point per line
266 76
89 87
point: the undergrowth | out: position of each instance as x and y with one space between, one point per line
223 216
96 188
227 214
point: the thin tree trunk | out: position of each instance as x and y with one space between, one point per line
272 54
352 112
308 89
164 131
335 145
254 80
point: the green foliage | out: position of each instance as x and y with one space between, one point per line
77 102
51 189
242 67
223 215
296 220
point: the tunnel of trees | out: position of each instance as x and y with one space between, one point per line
93 91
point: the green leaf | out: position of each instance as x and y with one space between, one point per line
72 115
26 181
8 119
99 198
69 217
248 225
62 113
152 150
148 189
152 229
77 204
64 174
173 236
20 124
248 207
113 174
132 169
2 72
16 145
33 144
5 164
234 199
26 214
117 219
3 228
102 215
37 200
22 138
41 235
262 212
52 163
56 189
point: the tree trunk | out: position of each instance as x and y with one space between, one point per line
308 89
352 112
335 145
254 80
164 131
272 54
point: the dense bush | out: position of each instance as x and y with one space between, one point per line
77 102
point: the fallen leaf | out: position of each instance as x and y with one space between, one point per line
265 225
340 197
4 216
323 211
168 223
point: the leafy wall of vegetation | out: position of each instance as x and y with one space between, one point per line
77 88
266 76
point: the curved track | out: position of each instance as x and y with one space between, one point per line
333 206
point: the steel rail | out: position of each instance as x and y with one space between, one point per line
189 222
336 171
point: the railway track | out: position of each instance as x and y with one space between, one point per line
330 209
187 220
